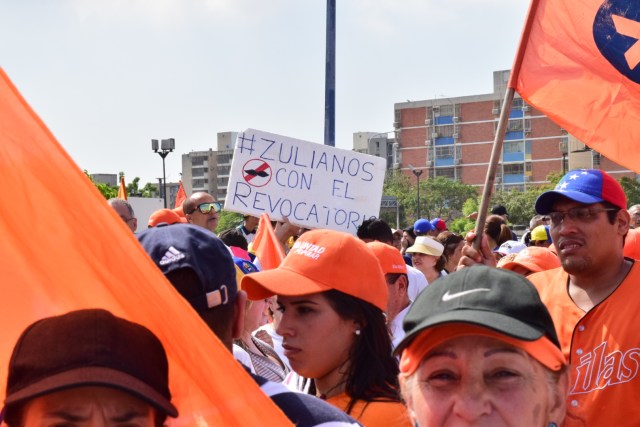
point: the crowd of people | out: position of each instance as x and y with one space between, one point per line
416 326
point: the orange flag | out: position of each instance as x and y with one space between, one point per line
267 247
181 196
122 191
74 262
578 63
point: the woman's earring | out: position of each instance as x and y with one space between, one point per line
357 332
552 424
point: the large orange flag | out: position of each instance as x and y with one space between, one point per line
181 196
69 256
122 190
578 63
266 246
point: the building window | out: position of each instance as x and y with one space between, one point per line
597 158
224 170
197 161
225 158
199 182
445 151
445 131
197 172
513 146
517 103
446 173
514 169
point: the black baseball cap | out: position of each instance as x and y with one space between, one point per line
499 210
187 246
89 347
492 298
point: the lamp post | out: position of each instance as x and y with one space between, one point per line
166 146
417 173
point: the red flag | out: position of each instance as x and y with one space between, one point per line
578 63
181 196
122 191
267 247
71 266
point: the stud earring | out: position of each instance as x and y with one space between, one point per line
357 332
552 424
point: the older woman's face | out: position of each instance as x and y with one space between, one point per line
482 381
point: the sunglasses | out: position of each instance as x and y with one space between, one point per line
205 208
579 214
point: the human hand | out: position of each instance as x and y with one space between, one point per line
472 256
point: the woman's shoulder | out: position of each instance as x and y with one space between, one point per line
381 413
376 413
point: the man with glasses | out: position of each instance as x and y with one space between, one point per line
593 298
124 209
202 210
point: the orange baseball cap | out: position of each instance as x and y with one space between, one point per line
179 211
535 259
321 260
164 215
390 258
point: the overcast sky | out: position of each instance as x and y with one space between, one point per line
108 76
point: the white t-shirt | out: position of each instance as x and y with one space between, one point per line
397 333
417 282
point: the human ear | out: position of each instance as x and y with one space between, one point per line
238 315
558 399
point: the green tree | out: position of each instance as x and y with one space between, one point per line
439 198
631 188
227 220
133 187
107 191
150 190
464 224
399 186
444 198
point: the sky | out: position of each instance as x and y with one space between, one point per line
107 76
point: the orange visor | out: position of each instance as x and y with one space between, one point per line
542 349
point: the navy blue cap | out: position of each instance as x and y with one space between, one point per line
422 226
178 246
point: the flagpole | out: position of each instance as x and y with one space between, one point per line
522 46
498 142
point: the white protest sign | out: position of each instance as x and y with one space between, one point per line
314 185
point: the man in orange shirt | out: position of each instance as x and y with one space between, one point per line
593 298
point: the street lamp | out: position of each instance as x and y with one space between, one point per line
166 146
417 173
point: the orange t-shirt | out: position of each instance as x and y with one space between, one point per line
374 414
603 349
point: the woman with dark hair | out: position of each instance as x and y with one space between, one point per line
332 294
452 252
426 254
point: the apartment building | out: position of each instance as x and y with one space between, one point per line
209 170
453 138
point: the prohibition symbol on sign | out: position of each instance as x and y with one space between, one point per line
256 172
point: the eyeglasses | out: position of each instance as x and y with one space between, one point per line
205 208
581 214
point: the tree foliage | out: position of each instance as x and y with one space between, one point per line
439 198
107 191
631 188
227 220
